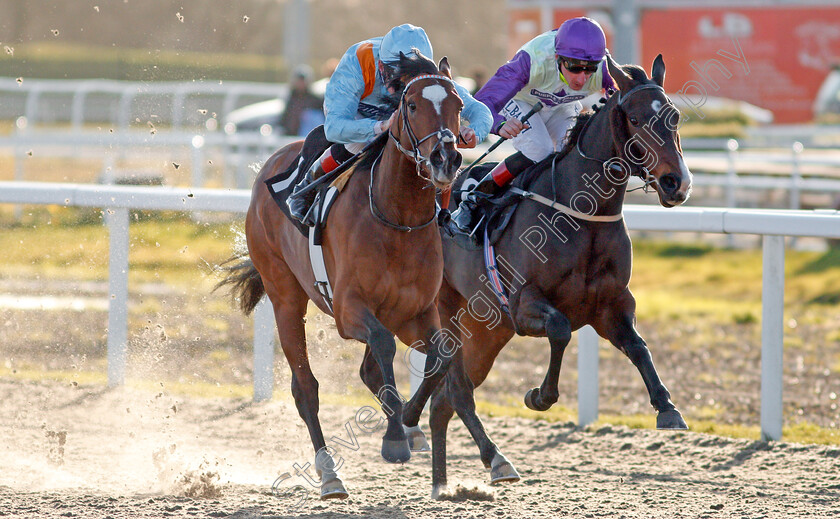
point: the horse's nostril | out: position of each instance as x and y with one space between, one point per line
670 183
437 158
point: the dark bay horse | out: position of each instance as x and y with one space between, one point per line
382 251
569 265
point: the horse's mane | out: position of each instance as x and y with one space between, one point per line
409 67
373 151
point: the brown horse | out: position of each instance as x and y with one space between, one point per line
566 254
382 251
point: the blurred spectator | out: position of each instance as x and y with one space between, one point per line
479 75
304 110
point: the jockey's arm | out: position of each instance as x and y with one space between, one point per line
341 103
479 117
511 77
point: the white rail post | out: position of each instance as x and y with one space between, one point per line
731 182
117 220
587 376
772 336
795 175
197 159
417 364
263 350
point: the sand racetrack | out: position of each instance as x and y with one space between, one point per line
72 450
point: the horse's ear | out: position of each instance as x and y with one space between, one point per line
657 72
622 78
444 68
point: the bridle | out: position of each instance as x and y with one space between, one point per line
645 174
443 135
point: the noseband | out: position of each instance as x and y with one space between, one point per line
443 135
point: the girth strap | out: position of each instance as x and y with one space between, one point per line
564 208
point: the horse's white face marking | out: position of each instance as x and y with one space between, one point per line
436 94
656 105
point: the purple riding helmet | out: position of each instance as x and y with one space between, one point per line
581 38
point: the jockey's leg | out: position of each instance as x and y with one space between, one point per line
561 121
464 218
335 155
533 144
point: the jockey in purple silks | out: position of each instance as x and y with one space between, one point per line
557 68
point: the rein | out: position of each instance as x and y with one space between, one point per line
564 208
381 217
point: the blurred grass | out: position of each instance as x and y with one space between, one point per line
72 243
76 61
730 124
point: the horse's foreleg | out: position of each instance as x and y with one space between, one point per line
370 374
618 328
536 316
380 352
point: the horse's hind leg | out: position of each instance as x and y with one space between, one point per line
440 415
360 324
289 301
460 393
536 316
618 327
459 387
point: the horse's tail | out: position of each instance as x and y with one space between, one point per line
246 285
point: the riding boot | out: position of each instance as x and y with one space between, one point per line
463 219
298 203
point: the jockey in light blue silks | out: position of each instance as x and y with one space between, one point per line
359 104
557 68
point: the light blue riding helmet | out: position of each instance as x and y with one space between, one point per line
403 38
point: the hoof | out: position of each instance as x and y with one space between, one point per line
438 491
531 398
501 470
396 451
672 420
416 439
333 489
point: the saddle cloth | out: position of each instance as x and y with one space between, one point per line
493 213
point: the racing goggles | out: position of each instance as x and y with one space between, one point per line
576 66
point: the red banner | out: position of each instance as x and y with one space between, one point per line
775 58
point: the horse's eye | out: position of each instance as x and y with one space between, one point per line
634 121
412 106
